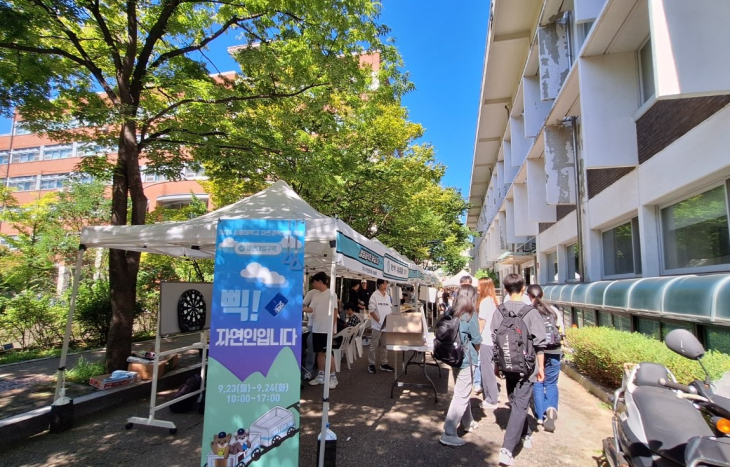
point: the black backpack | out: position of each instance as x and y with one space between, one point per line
447 344
513 349
552 333
186 405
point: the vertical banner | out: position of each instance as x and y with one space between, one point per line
252 395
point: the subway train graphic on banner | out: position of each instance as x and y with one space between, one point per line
243 447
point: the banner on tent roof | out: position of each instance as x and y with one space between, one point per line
394 269
252 396
359 258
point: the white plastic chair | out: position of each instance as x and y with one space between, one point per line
358 337
346 335
352 346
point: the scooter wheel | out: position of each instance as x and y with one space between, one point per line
128 426
173 431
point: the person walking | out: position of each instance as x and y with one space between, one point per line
379 307
519 386
545 393
487 306
465 311
319 307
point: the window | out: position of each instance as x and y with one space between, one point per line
622 249
589 317
53 182
567 318
668 327
26 155
20 129
572 264
60 151
577 317
27 183
622 322
649 327
148 177
552 266
646 70
4 157
717 338
605 319
190 174
695 231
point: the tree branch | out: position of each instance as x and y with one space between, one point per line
226 100
94 8
87 61
191 48
155 33
39 50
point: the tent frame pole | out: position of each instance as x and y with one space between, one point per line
328 356
61 378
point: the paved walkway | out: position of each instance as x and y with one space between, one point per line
372 429
25 386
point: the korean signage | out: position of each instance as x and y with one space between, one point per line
394 269
252 395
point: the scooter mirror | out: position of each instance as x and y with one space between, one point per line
685 344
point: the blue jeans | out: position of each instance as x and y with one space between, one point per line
545 393
478 373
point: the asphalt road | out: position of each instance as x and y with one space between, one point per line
372 429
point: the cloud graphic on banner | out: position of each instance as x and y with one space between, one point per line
290 242
228 242
255 271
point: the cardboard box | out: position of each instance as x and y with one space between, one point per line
404 329
107 382
145 370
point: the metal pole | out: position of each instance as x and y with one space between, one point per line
578 199
328 356
61 379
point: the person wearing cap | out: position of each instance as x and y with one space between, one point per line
379 306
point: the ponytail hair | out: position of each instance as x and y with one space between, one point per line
534 291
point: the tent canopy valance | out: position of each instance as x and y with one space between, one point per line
357 256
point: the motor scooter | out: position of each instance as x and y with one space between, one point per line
658 422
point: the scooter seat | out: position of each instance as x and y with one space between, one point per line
708 449
668 421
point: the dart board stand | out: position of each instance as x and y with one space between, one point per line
185 307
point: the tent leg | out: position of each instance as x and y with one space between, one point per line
61 380
328 357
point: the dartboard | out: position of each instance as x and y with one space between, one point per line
191 311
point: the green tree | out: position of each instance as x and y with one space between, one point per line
148 60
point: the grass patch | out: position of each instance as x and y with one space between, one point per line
14 356
84 370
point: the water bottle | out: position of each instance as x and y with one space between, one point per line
330 448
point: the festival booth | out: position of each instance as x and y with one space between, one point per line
290 229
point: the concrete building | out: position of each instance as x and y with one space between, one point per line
601 167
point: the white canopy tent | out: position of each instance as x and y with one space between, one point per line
325 238
453 281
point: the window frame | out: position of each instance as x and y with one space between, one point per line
555 278
55 177
23 151
635 240
11 182
697 269
643 98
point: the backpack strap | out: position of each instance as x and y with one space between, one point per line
524 310
503 309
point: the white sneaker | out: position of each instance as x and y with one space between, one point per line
552 415
472 427
333 382
318 380
505 457
527 442
447 440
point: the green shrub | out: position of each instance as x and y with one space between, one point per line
600 353
94 310
33 319
83 370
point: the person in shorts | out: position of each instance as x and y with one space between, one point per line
322 322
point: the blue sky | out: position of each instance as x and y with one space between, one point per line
442 45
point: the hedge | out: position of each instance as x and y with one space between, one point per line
600 353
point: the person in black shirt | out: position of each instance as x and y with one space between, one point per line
363 297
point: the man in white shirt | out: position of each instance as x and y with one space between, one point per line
318 305
379 307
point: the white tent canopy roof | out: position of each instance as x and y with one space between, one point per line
196 238
454 280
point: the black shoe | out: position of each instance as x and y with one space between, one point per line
371 369
386 367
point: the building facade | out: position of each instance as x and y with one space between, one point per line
33 166
601 165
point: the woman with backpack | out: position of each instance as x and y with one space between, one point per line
545 393
465 310
487 306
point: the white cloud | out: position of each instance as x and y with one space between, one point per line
227 242
290 242
255 271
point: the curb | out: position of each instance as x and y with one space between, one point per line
36 421
589 385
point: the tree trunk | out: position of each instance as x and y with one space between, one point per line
124 265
